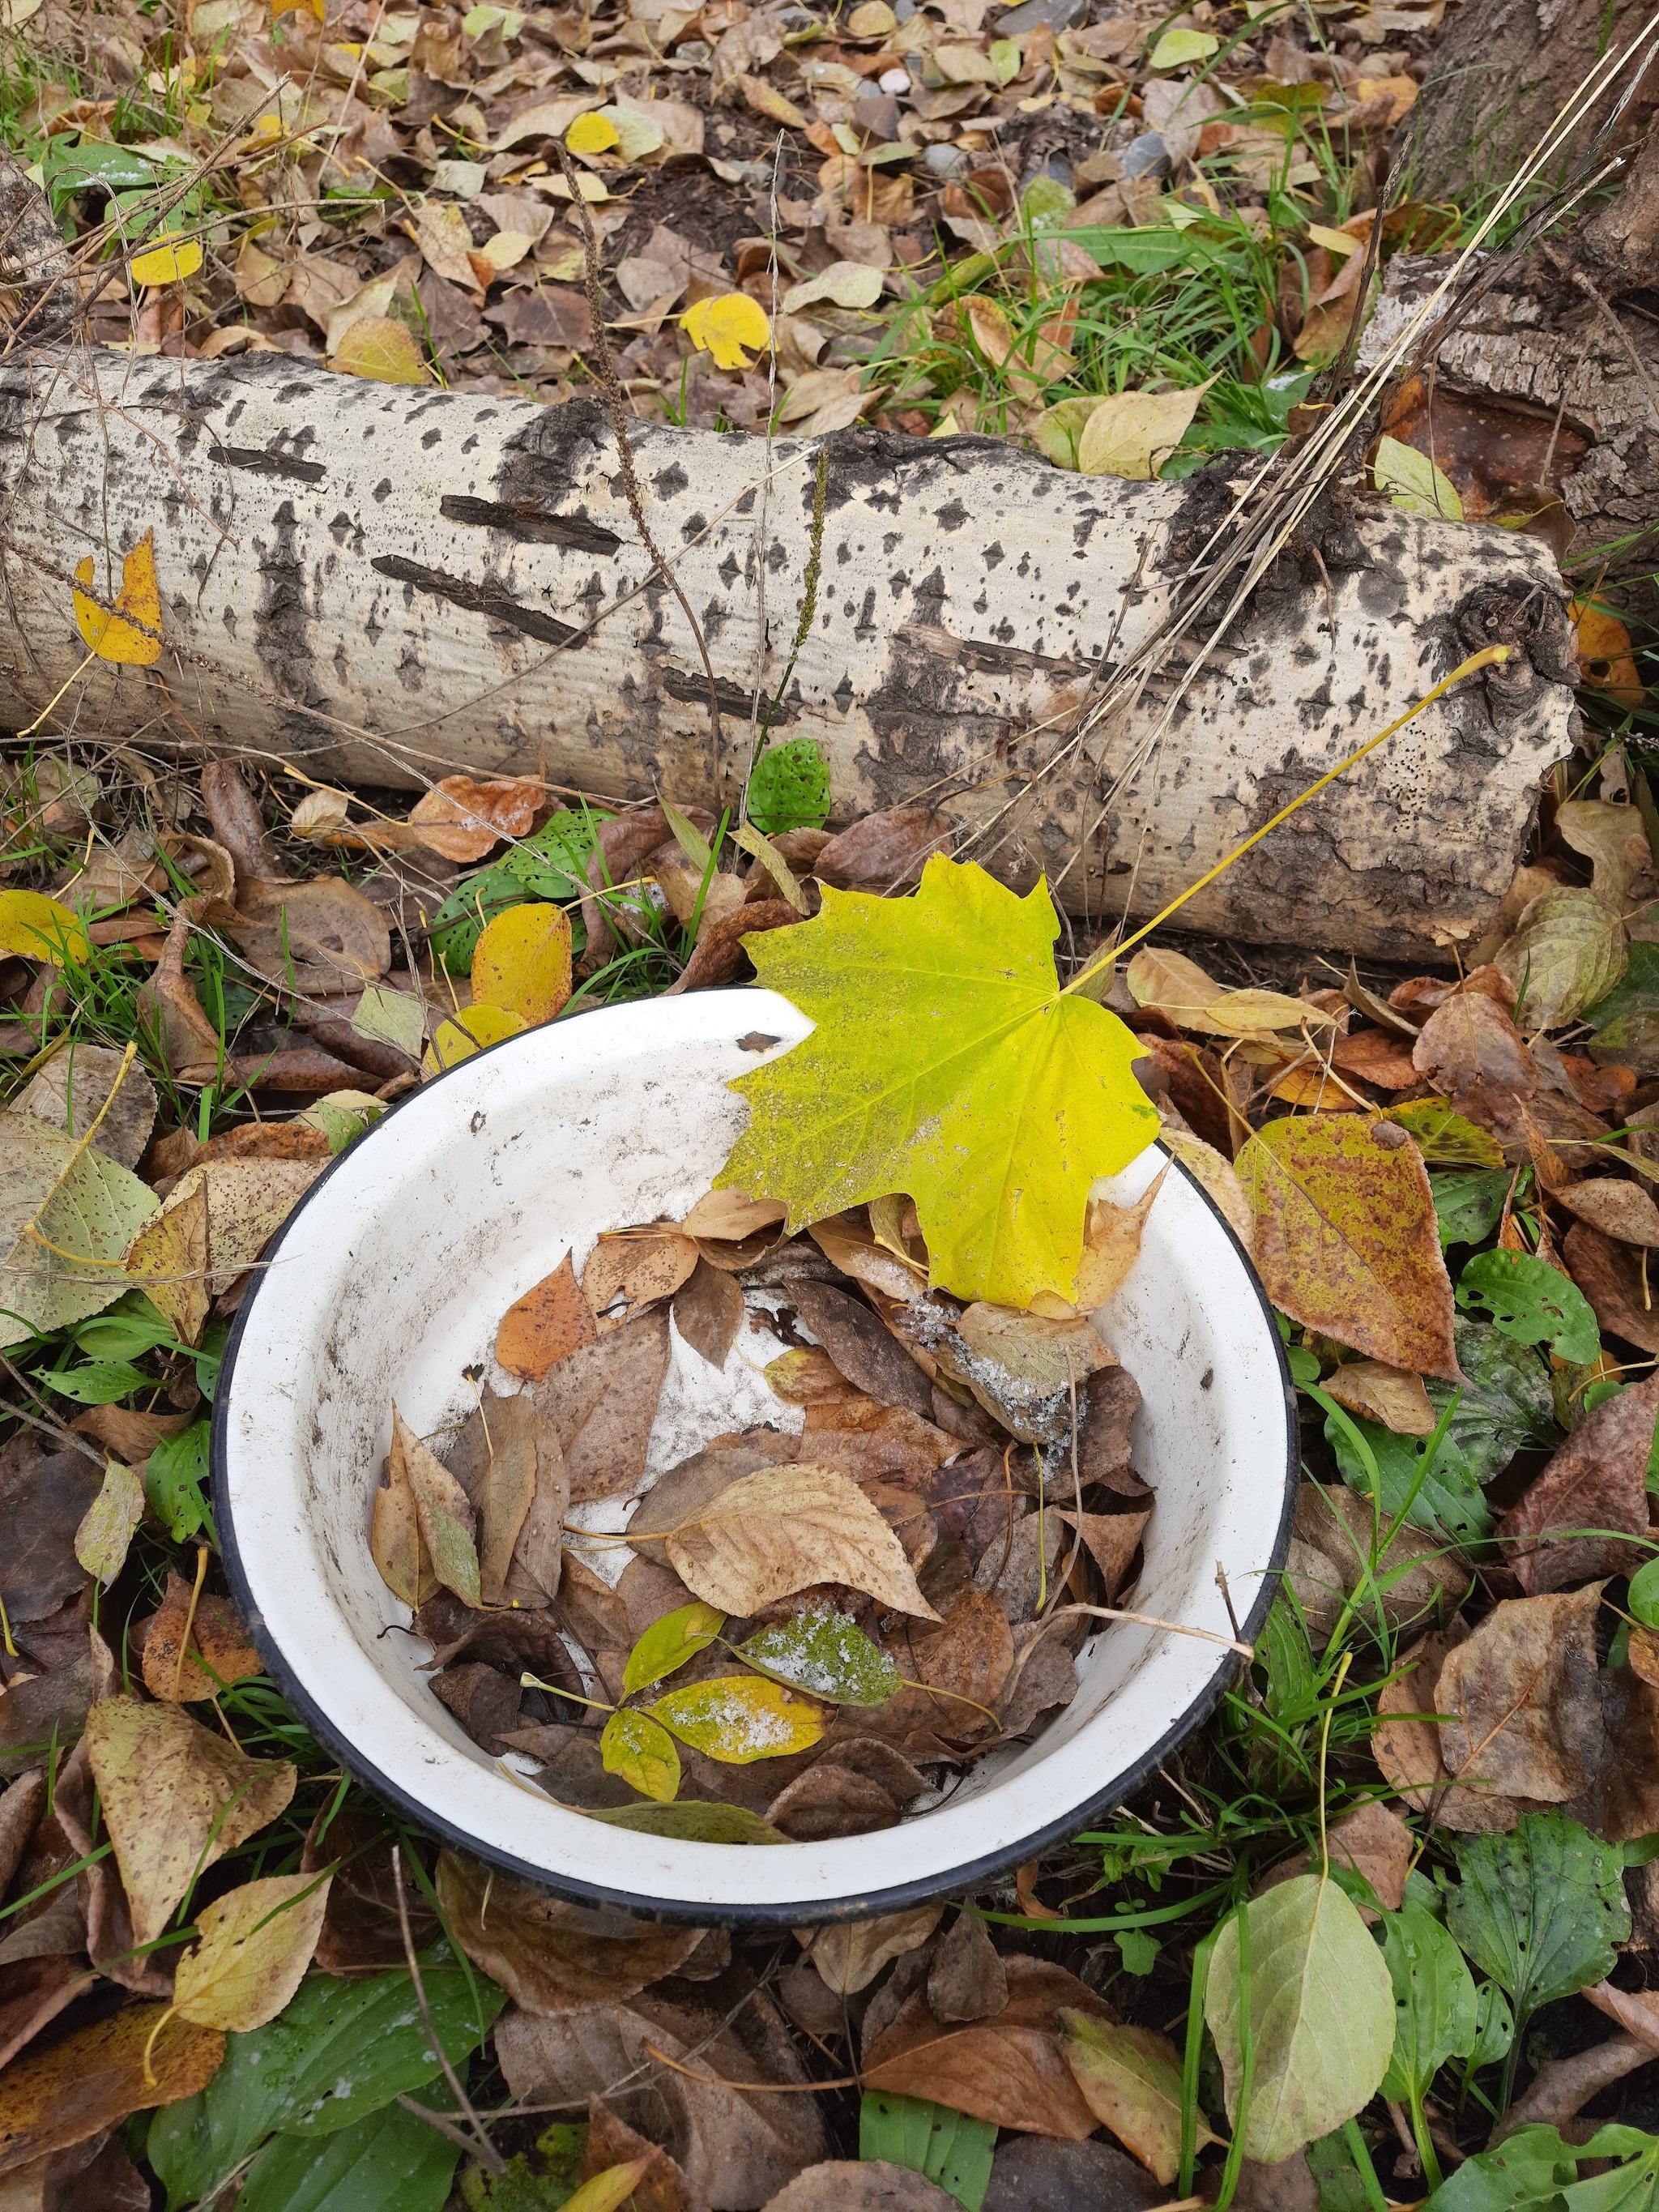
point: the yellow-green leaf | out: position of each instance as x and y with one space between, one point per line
591 134
382 350
462 1034
691 1821
252 1949
1130 2078
36 928
1568 951
128 632
107 1527
642 1752
670 1642
443 1511
738 1718
826 1653
68 1213
1346 1238
724 327
947 1063
522 963
637 133
176 1797
609 2190
1176 49
169 263
1446 1139
1412 480
1133 433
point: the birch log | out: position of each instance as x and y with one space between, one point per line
386 585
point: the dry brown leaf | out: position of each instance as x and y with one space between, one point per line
33 1992
1610 1276
884 852
91 2079
1596 1481
1111 1540
848 1245
1111 1243
550 1956
733 2148
1406 1744
395 1542
175 1672
1384 1393
176 1798
443 1511
958 1670
1618 1208
1008 2070
1524 1693
78 1083
863 1349
830 1800
865 2184
1470 1050
520 1498
547 1324
659 2187
1374 1841
172 1007
625 1274
1334 1537
1176 986
967 1979
313 937
43 1499
708 1312
459 817
784 1528
602 1400
729 1216
849 1955
1637 2011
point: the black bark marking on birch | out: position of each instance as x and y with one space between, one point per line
530 524
260 463
492 600
281 628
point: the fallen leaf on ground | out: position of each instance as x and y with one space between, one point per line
317 937
850 1955
550 1956
1597 1481
601 1399
462 819
1568 951
86 1087
548 1323
1614 1206
1347 1241
1521 1693
1383 1394
175 1799
1133 433
92 2078
709 1312
1610 1276
1130 2078
1374 1842
253 1948
67 1216
867 2185
781 1529
625 1274
443 1511
1009 2069
1405 1742
522 961
219 1652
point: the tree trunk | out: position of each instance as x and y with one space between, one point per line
387 585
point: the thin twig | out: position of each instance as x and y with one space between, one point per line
483 2150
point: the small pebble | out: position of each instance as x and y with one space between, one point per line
893 80
1147 156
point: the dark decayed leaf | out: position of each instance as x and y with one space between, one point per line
1032 2170
709 1312
1609 1275
43 1499
611 2143
863 1350
967 1979
548 1955
601 1399
1522 1706
1597 1482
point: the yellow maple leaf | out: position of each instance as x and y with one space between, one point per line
591 134
168 263
129 632
724 327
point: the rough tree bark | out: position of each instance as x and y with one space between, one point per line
388 584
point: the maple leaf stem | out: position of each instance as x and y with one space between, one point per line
1488 656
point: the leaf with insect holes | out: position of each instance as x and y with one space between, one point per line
522 963
36 928
789 789
738 1718
129 632
458 1037
68 1213
168 263
1412 482
176 1798
724 327
1533 1303
252 1949
1434 2001
1130 2078
671 1642
1540 1910
641 1750
1346 1238
771 1534
107 1526
828 1656
946 1061
1320 2010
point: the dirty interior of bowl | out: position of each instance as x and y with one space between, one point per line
390 1286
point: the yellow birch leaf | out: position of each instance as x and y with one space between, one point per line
254 1945
443 1511
724 327
642 1752
129 632
591 134
107 1527
377 348
1412 482
36 928
1132 434
610 2191
522 963
1176 49
169 263
738 1718
461 1035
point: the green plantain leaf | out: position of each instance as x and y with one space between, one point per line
1321 2012
951 2149
1540 1910
1532 1302
947 1063
1526 2172
1469 1204
1434 2001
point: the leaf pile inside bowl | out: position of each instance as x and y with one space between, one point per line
821 1620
